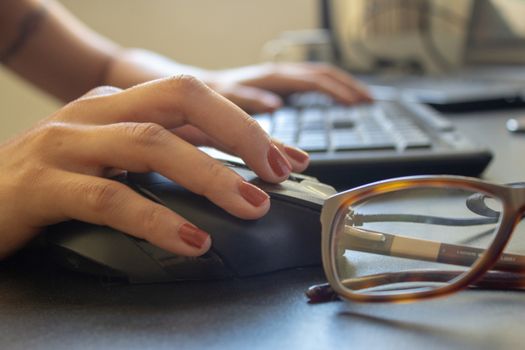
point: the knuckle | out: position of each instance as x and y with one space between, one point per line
101 198
185 84
146 133
181 90
250 127
151 221
53 135
215 171
101 91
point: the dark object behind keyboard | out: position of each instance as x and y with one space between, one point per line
349 146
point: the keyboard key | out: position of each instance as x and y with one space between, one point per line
352 140
313 141
343 124
313 119
431 117
286 137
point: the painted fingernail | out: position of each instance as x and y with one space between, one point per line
278 162
254 195
193 236
296 154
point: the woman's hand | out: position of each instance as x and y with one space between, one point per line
259 88
256 89
57 170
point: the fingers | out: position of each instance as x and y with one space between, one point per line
323 80
251 99
183 100
298 158
295 77
143 147
325 85
345 79
106 202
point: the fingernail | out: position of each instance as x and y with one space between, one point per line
278 162
193 236
296 154
254 195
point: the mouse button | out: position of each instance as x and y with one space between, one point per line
104 246
207 266
244 172
288 236
77 263
250 176
294 192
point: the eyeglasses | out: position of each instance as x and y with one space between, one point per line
421 237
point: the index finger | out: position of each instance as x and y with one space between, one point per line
180 100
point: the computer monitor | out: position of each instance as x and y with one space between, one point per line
497 32
456 34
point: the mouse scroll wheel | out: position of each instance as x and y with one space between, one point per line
292 177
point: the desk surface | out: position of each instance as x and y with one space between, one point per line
42 307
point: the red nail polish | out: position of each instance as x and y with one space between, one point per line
254 195
278 163
193 236
296 154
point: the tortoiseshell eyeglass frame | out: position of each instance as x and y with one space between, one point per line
487 269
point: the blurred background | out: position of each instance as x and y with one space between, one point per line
206 33
406 37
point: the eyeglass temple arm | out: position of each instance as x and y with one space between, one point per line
359 219
491 280
364 240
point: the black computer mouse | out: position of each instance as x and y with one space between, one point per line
288 236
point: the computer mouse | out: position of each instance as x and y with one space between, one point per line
288 236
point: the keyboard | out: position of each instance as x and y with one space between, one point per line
352 145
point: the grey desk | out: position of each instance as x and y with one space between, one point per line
42 307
